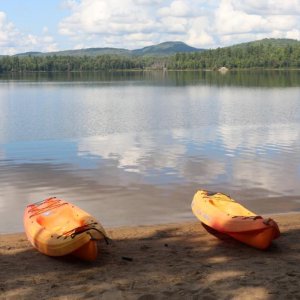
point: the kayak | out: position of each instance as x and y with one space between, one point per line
224 215
56 227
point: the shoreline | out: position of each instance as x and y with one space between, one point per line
166 261
192 219
167 224
149 70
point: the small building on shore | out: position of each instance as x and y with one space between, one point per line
223 70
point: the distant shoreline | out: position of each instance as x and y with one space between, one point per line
263 54
149 70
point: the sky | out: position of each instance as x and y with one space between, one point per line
53 25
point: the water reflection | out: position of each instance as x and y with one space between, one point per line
50 111
250 78
135 151
140 178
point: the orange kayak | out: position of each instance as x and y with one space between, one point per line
223 214
56 227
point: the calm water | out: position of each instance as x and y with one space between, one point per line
132 148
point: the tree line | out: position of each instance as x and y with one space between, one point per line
68 63
252 55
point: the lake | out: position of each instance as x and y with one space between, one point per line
132 148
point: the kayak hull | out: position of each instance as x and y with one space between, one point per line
225 215
56 228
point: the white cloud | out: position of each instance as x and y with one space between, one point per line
137 23
268 7
102 17
8 34
148 2
228 20
293 34
68 4
134 23
104 20
175 24
241 21
177 8
13 41
199 34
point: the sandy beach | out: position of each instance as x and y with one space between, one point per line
174 261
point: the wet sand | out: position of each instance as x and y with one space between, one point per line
175 261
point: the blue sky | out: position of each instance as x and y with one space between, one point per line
31 16
50 25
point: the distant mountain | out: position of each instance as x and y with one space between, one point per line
79 52
166 48
31 53
163 49
270 41
90 52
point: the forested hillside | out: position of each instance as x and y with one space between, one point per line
69 63
267 53
162 49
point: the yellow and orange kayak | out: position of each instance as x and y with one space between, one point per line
225 215
56 227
